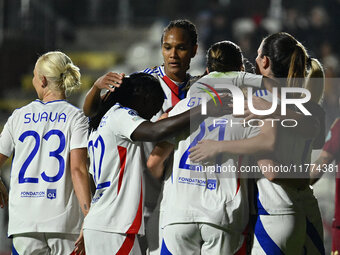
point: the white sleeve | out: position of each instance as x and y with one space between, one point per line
79 132
6 138
124 121
248 79
180 107
216 79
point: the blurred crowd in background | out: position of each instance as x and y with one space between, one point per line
124 36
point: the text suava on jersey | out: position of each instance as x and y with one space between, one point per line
31 117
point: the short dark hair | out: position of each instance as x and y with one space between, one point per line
224 56
134 87
184 24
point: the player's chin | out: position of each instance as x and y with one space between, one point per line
174 68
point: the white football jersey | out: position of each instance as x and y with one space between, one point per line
237 79
40 136
292 151
116 166
211 193
173 91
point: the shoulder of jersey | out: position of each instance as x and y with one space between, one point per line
118 107
156 70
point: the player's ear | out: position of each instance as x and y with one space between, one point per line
43 81
265 62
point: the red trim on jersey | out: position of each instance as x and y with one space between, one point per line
127 245
243 249
240 158
137 222
174 89
122 157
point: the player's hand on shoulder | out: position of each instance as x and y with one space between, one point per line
3 195
205 150
163 116
109 81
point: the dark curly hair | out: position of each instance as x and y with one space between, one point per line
184 24
134 87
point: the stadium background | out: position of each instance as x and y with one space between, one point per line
124 36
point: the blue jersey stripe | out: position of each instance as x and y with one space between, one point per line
305 151
14 251
160 71
315 237
146 70
258 205
267 244
164 249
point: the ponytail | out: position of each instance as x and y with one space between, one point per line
297 67
316 80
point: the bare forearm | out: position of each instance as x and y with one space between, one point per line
257 145
92 101
307 126
80 178
157 158
82 189
163 129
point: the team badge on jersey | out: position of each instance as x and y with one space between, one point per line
211 184
51 194
133 112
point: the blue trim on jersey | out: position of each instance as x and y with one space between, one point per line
261 93
315 237
305 151
59 100
14 251
258 205
147 70
160 71
267 244
182 93
164 249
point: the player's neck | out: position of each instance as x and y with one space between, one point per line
53 96
177 77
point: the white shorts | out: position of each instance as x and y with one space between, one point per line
98 242
43 243
199 238
154 232
279 234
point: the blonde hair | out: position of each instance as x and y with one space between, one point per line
61 74
316 81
